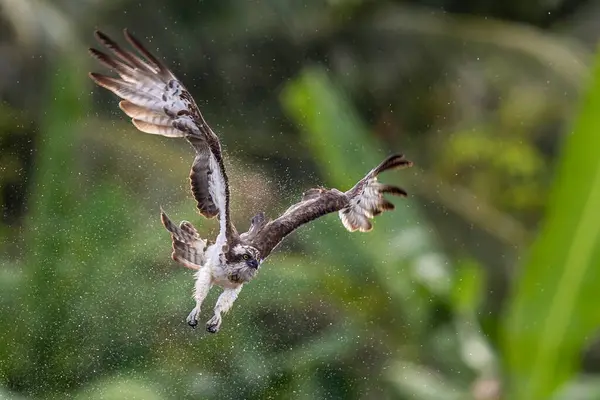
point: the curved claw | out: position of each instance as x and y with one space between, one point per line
214 324
192 318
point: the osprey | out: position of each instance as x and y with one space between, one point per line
159 104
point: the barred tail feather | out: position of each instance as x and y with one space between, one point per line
188 247
366 198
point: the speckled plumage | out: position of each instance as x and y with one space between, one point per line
159 104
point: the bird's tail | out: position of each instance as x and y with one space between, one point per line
366 197
188 247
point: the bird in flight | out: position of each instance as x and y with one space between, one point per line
159 104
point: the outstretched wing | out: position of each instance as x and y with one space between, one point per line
159 104
356 206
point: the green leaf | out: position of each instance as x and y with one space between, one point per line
54 195
332 129
554 309
417 382
468 288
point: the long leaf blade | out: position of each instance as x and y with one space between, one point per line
554 308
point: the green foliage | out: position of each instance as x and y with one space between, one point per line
334 132
468 288
342 144
475 155
553 312
91 306
82 239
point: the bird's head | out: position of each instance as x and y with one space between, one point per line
243 262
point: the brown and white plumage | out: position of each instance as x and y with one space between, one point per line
356 207
159 104
188 248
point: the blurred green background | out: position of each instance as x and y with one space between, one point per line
482 285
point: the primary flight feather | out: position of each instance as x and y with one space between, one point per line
159 104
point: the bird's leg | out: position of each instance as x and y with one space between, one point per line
202 286
224 303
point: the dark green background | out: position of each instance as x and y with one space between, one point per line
482 285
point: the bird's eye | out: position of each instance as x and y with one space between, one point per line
246 257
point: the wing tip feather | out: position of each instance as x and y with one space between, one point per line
99 79
153 129
131 110
166 221
394 190
107 82
370 203
104 38
103 58
162 69
392 162
98 34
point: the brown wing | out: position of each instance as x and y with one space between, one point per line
361 203
314 204
159 104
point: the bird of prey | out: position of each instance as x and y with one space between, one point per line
159 104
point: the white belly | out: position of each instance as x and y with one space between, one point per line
217 269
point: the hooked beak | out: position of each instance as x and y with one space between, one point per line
252 263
